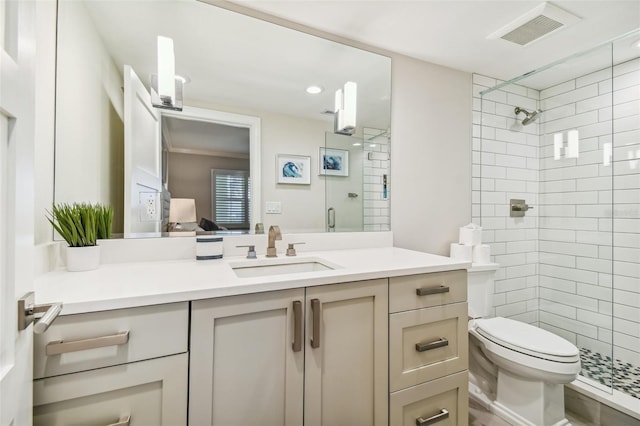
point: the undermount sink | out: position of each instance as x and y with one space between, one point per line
267 267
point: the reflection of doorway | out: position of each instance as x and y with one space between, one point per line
196 141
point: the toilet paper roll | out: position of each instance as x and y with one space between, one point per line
208 247
470 235
461 252
482 254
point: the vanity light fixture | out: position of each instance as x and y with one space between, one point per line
314 90
345 109
166 87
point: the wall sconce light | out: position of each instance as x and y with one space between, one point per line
166 88
345 109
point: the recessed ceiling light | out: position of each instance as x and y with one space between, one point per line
357 144
636 44
314 90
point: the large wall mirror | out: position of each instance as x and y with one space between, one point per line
246 111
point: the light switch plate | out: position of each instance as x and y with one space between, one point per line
273 207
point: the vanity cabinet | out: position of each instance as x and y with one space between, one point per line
428 356
118 367
276 358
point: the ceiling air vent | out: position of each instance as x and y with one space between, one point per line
545 19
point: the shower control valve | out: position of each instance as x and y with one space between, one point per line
518 208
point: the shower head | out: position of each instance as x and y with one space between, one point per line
530 116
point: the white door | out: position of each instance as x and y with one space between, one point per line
142 159
17 115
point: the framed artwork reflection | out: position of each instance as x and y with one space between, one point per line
333 162
294 169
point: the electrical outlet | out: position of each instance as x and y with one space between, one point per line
149 206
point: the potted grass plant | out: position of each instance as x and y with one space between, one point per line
80 225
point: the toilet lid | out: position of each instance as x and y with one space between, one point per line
526 338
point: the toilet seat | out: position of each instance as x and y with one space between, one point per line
527 339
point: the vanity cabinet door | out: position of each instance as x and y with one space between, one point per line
346 354
151 392
245 368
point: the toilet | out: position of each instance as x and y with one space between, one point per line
516 370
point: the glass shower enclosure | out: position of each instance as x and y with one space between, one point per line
556 188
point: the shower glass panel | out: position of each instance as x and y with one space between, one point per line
341 166
564 142
356 171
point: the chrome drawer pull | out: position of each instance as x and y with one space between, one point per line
297 326
425 291
60 346
442 415
124 421
422 347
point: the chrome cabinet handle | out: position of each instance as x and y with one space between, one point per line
442 415
315 311
297 326
59 346
423 347
124 421
425 291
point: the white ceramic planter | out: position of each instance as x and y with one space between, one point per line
82 258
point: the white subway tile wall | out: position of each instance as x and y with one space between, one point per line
376 202
582 240
505 166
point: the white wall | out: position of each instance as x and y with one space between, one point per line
430 154
90 133
45 116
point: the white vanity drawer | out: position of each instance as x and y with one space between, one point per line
426 344
152 392
442 402
426 290
82 342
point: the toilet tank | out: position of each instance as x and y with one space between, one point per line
480 290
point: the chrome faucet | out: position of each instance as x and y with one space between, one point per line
274 234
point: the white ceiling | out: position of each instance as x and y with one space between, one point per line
454 33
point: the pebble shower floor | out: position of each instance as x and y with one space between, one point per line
626 377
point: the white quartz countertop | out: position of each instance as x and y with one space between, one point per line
124 285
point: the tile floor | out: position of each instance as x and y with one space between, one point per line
626 377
